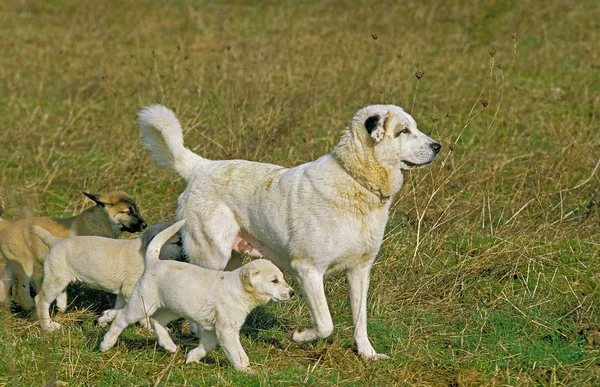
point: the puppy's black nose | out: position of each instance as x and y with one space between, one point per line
144 225
436 147
292 292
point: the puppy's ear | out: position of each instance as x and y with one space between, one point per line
95 198
246 275
375 127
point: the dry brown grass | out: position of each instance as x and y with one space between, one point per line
488 273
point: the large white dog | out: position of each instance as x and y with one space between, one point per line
323 216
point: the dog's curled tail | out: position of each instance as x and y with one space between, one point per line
153 251
48 239
162 136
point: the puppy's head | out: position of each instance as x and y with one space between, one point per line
394 136
121 210
171 250
264 281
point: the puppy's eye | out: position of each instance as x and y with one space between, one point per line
275 281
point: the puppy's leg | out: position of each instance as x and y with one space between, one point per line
358 287
311 284
110 314
208 342
159 322
61 301
133 312
52 287
5 283
229 338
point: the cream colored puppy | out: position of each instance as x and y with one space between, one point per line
218 302
320 217
109 264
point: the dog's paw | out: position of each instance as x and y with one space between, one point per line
195 355
50 326
104 346
107 317
170 347
373 356
305 334
248 370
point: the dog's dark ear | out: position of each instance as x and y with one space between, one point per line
95 198
246 275
371 123
374 127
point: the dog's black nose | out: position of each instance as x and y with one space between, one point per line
292 292
436 147
144 225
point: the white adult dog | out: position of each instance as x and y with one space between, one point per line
218 302
319 217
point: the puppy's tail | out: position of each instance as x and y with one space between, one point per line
153 251
162 136
49 239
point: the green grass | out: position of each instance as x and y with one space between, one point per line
489 269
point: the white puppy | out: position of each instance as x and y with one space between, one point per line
218 302
323 216
110 264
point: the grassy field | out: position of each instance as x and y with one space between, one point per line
489 273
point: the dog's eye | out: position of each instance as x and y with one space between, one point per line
275 281
403 131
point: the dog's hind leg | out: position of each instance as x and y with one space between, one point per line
208 237
52 287
61 301
208 342
311 284
135 311
358 287
159 322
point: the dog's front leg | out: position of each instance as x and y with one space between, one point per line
23 281
229 338
311 284
5 283
358 287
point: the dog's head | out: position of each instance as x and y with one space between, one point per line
171 250
265 281
394 136
122 211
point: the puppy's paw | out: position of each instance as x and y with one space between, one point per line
195 355
248 370
49 326
170 347
107 317
54 326
104 346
